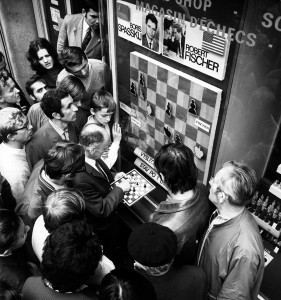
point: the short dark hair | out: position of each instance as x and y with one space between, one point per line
34 78
102 99
167 23
176 163
152 18
31 55
89 137
62 206
51 102
70 256
73 86
71 57
9 226
126 284
93 4
64 158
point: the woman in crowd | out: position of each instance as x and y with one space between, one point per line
44 60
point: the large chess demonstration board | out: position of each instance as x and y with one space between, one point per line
167 105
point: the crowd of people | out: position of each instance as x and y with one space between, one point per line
60 232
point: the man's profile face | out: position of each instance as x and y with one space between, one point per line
101 148
10 93
150 29
81 70
68 110
39 89
23 130
91 17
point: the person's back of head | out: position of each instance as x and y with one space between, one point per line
238 181
70 256
126 284
73 86
8 291
12 232
102 99
153 247
71 57
92 135
176 164
62 206
65 158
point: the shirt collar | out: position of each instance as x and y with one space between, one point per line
91 162
57 128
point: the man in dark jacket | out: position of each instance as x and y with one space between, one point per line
186 210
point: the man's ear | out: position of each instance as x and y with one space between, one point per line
32 97
221 197
56 116
2 99
10 137
84 12
92 111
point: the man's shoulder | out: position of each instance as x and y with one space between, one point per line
73 18
63 73
96 63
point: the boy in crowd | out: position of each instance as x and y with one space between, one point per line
36 88
102 108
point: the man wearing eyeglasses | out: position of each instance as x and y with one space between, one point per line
15 132
93 73
231 252
82 30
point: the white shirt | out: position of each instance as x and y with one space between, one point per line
14 167
85 28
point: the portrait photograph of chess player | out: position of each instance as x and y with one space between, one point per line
150 36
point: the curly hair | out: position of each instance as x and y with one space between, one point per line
70 256
31 55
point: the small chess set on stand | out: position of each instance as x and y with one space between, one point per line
140 187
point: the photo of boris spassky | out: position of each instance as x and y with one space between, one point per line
150 32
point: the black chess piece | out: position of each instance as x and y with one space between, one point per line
133 88
169 110
142 80
167 131
192 108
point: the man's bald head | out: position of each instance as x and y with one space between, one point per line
94 139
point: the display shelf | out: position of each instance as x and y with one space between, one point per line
275 190
267 227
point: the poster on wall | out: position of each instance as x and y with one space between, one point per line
142 28
167 106
188 43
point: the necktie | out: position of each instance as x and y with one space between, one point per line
150 45
65 134
86 39
102 172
